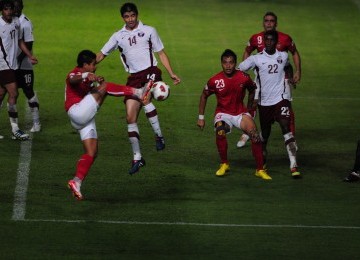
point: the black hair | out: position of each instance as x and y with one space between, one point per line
271 14
20 2
273 33
6 4
128 7
85 56
229 53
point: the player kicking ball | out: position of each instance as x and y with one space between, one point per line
84 94
229 87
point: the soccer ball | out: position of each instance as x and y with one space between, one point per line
160 91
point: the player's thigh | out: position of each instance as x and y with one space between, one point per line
132 110
82 113
7 77
88 131
247 123
283 114
266 117
25 80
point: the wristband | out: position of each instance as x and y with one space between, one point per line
201 117
84 75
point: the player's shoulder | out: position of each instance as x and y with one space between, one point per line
256 35
283 35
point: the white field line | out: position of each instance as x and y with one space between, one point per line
22 181
189 224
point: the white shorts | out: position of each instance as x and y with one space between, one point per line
232 121
82 117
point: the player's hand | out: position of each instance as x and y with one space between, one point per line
252 112
100 79
201 123
176 79
296 78
33 60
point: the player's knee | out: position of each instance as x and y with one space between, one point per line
254 136
221 128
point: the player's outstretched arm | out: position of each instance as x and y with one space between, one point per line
166 62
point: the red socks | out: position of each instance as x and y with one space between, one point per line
83 166
257 152
222 146
119 90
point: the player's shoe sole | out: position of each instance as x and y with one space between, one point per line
224 168
75 190
147 91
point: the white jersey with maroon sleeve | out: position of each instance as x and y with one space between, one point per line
270 75
27 36
9 42
136 47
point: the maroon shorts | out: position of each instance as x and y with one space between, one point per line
269 114
139 79
7 76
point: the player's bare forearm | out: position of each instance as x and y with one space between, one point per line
166 62
297 63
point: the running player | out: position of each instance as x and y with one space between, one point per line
285 43
273 106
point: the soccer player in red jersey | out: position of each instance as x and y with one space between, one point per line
229 87
84 94
285 43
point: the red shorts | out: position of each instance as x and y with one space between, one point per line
139 79
7 76
269 114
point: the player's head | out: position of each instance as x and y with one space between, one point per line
129 13
7 9
269 21
87 59
228 61
270 39
18 7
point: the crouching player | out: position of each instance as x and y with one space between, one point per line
229 87
84 94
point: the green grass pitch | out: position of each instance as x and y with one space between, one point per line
176 208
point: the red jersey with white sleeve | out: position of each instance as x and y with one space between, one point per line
136 46
75 93
285 43
230 92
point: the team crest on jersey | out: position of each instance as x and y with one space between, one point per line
141 34
279 60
